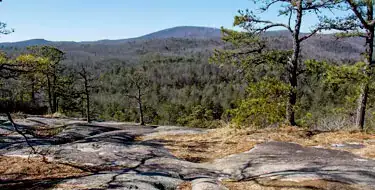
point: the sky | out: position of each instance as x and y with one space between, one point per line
90 20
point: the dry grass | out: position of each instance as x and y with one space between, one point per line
206 147
222 142
16 168
55 115
43 132
326 140
266 184
185 186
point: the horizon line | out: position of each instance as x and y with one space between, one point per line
130 38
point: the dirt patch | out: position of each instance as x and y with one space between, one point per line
222 142
266 184
16 168
207 146
185 186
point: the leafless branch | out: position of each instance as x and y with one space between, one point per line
15 126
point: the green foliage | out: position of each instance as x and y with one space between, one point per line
343 80
171 92
199 117
264 105
333 92
172 82
241 51
265 71
119 116
247 84
13 94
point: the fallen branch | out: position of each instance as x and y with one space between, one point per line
15 126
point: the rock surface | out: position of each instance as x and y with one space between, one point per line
119 161
293 161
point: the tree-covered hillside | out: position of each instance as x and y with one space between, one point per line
187 40
182 86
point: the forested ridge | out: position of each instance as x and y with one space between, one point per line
285 103
183 87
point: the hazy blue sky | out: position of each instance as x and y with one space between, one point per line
82 20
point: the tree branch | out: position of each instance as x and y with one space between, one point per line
316 30
269 25
20 132
354 7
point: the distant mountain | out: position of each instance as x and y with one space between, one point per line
189 40
32 42
185 32
191 32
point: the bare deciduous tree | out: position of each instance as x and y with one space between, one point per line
136 89
87 79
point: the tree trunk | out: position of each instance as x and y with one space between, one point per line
293 68
87 93
82 107
33 91
49 95
141 119
88 108
362 100
54 94
292 100
54 102
361 109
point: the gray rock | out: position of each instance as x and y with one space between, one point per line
349 145
121 181
148 165
282 160
207 184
